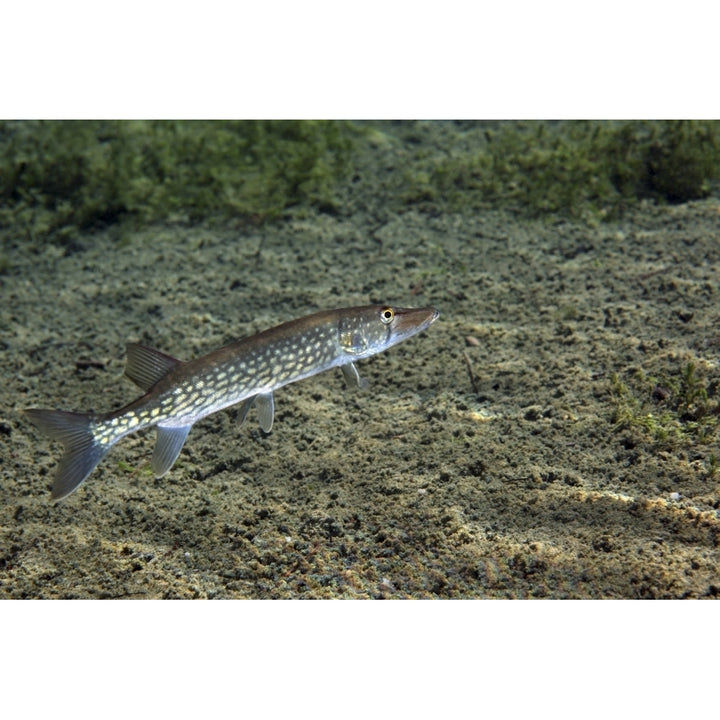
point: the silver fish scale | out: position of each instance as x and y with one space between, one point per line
263 370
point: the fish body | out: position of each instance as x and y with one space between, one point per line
247 371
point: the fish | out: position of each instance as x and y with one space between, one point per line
247 371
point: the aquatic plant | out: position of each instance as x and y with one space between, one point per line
582 169
56 177
677 407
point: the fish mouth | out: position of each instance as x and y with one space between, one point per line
425 317
410 321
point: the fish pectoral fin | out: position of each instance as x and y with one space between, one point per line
145 366
266 410
352 376
167 448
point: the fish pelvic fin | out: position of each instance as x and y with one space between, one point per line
266 410
82 451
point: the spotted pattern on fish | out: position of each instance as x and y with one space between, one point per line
248 371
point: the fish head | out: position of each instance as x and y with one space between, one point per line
368 330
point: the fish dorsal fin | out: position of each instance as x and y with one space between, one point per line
146 366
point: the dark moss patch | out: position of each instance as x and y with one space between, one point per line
582 169
56 177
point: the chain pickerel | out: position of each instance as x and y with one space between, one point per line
247 371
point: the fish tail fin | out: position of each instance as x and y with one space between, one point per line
82 450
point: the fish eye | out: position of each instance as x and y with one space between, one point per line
386 315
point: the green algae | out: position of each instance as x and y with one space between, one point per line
590 170
679 407
58 177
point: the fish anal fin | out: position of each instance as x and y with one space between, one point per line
170 441
146 366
